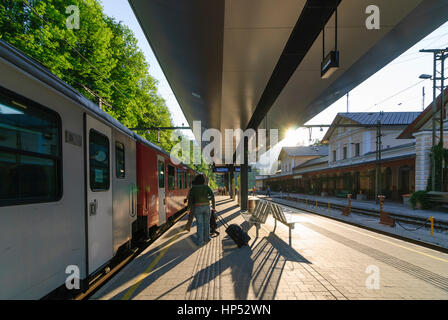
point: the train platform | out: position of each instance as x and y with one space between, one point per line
328 260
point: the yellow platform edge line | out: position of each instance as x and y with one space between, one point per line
148 270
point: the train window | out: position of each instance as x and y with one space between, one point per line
161 173
30 152
99 161
179 178
119 160
171 177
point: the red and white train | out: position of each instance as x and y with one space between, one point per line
75 184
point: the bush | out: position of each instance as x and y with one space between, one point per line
420 197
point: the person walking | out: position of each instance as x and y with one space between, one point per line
199 198
268 191
190 210
190 216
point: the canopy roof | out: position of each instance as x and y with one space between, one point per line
231 63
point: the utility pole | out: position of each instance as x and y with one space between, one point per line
423 98
348 102
438 55
378 160
442 110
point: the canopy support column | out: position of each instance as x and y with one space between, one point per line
244 192
231 183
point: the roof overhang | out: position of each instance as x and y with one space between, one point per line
255 63
423 118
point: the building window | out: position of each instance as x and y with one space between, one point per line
119 160
345 153
30 152
171 177
334 155
161 173
179 178
185 181
357 149
99 161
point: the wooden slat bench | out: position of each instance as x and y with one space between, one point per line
259 215
278 214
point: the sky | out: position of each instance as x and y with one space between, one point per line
396 87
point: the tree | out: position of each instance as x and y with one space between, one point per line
101 57
203 167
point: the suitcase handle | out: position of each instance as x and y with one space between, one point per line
222 222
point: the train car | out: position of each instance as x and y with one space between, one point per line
73 181
68 181
162 184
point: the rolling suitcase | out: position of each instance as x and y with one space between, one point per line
213 224
237 234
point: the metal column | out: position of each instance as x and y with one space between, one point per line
244 177
378 160
231 184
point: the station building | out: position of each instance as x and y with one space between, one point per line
290 157
421 130
350 160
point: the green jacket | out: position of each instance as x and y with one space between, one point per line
200 194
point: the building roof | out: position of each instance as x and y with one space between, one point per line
386 118
312 162
423 118
402 146
305 151
371 118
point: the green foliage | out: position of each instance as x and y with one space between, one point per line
441 160
420 197
205 169
189 157
101 55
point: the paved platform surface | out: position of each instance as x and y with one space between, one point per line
327 260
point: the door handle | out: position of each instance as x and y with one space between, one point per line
132 201
93 206
146 200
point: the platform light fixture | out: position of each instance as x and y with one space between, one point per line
425 76
330 62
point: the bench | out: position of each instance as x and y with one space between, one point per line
439 198
279 214
259 215
343 194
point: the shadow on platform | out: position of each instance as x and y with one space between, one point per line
260 266
223 201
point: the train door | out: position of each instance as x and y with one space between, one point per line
124 180
161 188
99 193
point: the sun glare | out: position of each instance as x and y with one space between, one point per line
291 138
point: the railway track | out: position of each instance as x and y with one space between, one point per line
440 226
415 221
